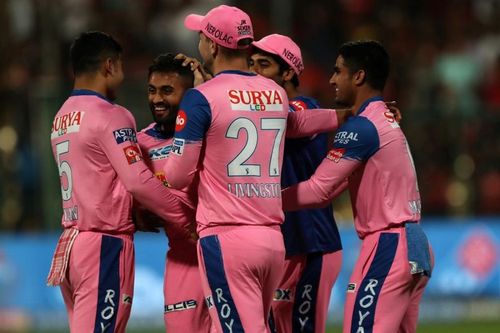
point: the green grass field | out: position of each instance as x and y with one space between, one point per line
463 327
458 327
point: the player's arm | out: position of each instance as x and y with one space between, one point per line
193 121
354 143
309 122
124 155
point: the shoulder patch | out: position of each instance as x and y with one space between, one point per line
178 146
125 134
180 121
298 105
335 154
132 153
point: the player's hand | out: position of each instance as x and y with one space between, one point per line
342 115
394 110
200 73
194 236
146 221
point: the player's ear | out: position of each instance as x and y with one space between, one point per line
214 48
359 77
287 74
108 67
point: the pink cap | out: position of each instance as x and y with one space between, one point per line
285 48
225 25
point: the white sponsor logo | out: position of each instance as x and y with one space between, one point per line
68 123
109 311
253 100
415 206
178 147
365 302
305 306
282 295
225 309
180 306
344 137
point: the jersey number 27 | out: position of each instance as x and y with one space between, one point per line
239 167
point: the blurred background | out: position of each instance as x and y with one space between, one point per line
445 78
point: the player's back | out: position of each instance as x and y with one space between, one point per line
384 191
93 196
307 230
241 169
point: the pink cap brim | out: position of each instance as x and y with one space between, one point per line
264 47
193 22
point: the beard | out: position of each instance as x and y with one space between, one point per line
166 117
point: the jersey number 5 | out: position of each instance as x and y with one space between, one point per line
238 166
64 169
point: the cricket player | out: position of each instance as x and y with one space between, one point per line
312 240
230 131
100 167
395 262
185 307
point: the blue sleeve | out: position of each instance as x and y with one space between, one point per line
194 116
357 139
301 103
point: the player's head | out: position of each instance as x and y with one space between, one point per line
277 57
96 53
168 80
225 32
359 64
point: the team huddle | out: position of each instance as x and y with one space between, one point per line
237 168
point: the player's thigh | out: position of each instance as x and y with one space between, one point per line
332 263
377 283
101 272
242 268
185 307
284 295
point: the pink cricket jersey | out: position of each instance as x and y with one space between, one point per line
155 148
100 166
231 129
372 151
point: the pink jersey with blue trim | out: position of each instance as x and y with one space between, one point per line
100 165
372 151
242 118
155 148
232 130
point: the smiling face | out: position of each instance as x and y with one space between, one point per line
343 83
165 91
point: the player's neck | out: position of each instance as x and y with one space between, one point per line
363 95
291 90
90 83
235 64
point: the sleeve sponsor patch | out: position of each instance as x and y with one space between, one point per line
297 105
178 146
391 119
344 137
161 176
335 154
180 121
125 134
132 153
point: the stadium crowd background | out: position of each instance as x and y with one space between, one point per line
445 77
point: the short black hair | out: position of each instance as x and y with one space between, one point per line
283 65
370 56
90 49
166 63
